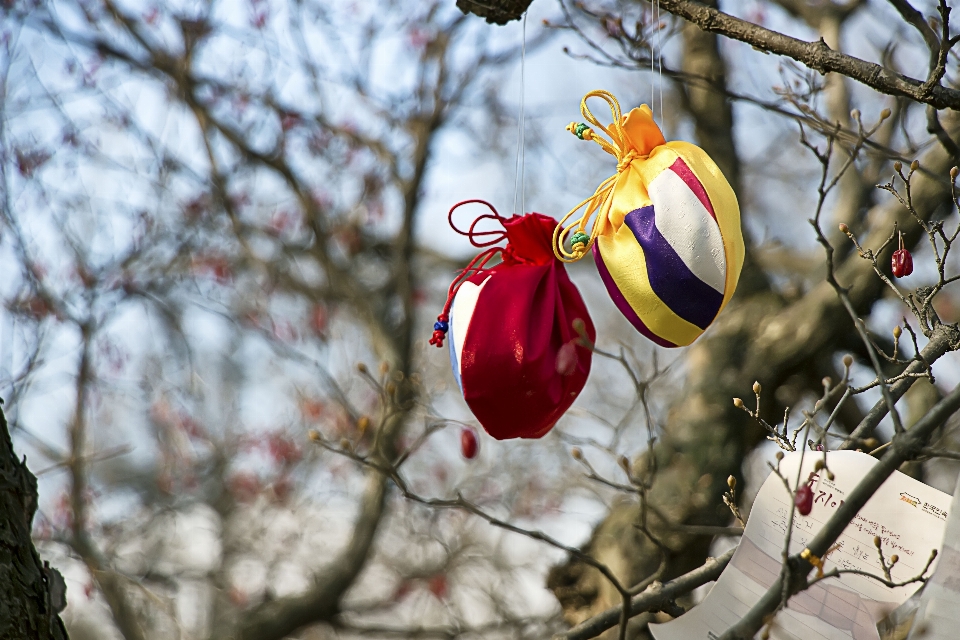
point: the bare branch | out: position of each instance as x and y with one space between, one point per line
656 597
816 55
906 446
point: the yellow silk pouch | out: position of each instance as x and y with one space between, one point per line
664 230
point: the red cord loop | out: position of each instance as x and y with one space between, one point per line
475 267
472 233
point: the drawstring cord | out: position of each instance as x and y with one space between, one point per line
599 203
474 267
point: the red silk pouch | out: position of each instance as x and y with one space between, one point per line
515 328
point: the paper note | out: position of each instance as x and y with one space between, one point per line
939 615
907 515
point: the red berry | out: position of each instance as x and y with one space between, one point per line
469 445
804 500
902 263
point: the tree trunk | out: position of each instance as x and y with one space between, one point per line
31 593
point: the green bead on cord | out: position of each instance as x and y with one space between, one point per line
579 237
579 129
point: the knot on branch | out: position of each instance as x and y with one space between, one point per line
495 11
907 445
953 337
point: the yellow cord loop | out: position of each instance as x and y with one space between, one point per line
599 202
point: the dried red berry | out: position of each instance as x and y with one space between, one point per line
804 500
902 261
469 445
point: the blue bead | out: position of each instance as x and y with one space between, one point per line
440 326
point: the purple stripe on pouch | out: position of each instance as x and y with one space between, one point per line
681 169
687 295
622 303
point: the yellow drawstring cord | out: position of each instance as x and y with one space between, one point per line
599 202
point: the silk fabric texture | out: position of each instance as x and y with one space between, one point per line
514 350
666 238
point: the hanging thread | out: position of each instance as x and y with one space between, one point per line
519 182
655 76
653 84
660 59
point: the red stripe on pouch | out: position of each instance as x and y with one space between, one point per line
681 169
622 303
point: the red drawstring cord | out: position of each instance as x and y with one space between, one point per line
471 232
476 266
442 325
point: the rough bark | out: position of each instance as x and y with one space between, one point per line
31 593
819 56
495 11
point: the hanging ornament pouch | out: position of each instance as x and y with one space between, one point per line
665 229
514 329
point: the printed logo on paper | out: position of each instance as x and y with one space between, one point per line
909 499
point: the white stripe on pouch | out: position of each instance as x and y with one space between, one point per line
461 312
689 228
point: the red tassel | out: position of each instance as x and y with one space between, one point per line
441 326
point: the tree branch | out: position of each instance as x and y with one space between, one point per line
915 18
280 618
906 446
654 598
495 11
816 55
945 338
